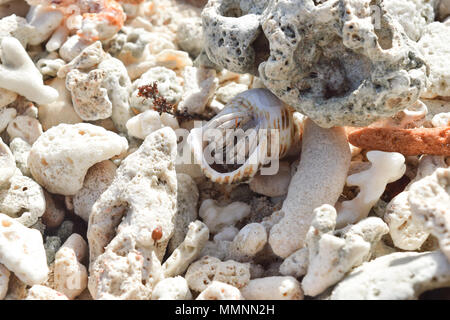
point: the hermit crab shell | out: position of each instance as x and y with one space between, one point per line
269 132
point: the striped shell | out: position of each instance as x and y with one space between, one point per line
252 109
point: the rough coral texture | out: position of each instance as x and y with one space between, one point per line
39 292
4 281
7 163
316 182
97 180
297 48
334 253
61 157
429 199
435 49
396 276
408 233
21 149
23 200
70 276
132 221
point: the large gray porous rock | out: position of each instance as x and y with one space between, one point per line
339 62
397 276
131 223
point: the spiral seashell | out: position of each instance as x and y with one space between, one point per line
269 129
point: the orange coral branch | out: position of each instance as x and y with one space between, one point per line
410 142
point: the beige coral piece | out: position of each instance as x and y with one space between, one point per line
429 199
220 291
408 233
61 156
188 251
332 253
4 281
319 180
273 288
396 276
39 292
434 45
208 269
132 221
70 276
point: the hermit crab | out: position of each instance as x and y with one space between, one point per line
254 129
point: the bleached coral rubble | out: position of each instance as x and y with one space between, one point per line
224 149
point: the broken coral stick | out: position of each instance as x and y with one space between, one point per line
410 142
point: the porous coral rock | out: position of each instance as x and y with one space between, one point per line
208 269
187 209
97 180
22 251
429 199
23 200
54 214
188 251
408 233
62 155
90 100
385 168
132 221
169 87
436 51
190 35
326 59
397 276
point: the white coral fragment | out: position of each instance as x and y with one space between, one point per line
331 256
19 74
386 167
22 251
220 291
60 158
273 288
317 181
